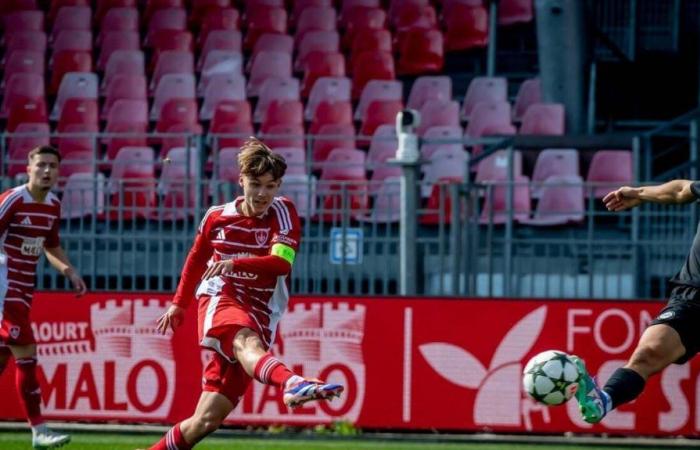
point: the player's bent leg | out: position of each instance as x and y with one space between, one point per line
4 358
659 346
210 413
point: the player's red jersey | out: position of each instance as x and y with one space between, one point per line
26 227
255 287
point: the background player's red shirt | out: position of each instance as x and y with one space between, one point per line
26 227
258 284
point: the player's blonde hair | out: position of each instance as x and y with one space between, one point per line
256 159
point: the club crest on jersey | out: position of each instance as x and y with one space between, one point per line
261 236
32 246
14 332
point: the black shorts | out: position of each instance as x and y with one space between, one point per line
682 313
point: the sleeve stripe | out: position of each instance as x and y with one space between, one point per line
9 201
206 215
282 215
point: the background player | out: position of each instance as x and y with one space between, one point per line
30 217
242 253
672 336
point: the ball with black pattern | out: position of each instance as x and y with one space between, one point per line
551 377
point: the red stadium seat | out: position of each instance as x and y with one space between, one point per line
203 8
514 11
26 110
172 86
315 19
378 90
396 7
496 210
348 5
386 200
119 19
330 136
177 111
429 88
72 40
226 164
130 118
78 138
72 18
80 111
544 118
369 40
26 137
372 66
467 27
438 113
284 135
361 19
609 170
103 6
57 5
266 65
166 19
21 87
230 135
172 62
75 85
261 20
274 89
316 41
113 41
318 65
25 20
230 112
343 180
528 94
165 40
271 43
124 87
180 135
333 89
380 112
229 40
124 62
227 19
23 61
439 205
283 112
78 162
154 5
301 5
221 89
414 16
553 162
420 51
220 64
132 184
339 113
484 89
30 40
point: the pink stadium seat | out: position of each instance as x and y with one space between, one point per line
543 118
75 85
227 164
172 86
124 134
179 135
124 87
83 195
103 6
80 139
344 169
437 87
494 168
177 111
495 208
438 113
274 89
26 110
119 19
376 90
172 62
19 88
380 112
295 157
438 209
81 111
23 21
467 27
333 89
222 88
361 19
489 119
229 40
369 41
231 135
26 137
384 141
372 66
263 20
447 161
154 5
301 189
229 112
220 64
529 93
284 135
386 200
322 41
76 162
266 65
609 170
315 19
23 61
440 136
72 40
218 19
166 19
30 40
561 201
301 5
164 40
57 5
132 184
272 43
514 11
283 112
329 137
553 162
72 18
484 89
113 41
200 8
177 184
134 111
318 65
328 112
124 62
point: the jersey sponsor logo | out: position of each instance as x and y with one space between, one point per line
26 221
261 236
32 246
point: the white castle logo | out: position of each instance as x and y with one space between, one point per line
130 369
499 399
320 340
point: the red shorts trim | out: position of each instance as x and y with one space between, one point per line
16 326
224 377
219 319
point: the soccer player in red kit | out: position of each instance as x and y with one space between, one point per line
30 217
242 254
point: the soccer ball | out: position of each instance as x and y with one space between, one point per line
551 377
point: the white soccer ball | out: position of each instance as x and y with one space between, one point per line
551 377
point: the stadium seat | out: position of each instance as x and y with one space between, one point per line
360 19
179 135
467 27
386 201
231 118
343 183
261 20
322 41
437 87
496 211
123 62
164 40
221 88
27 20
440 136
172 86
379 112
489 119
378 90
484 89
283 112
318 65
125 134
23 61
284 135
339 113
266 65
75 85
200 8
561 201
21 87
301 5
609 170
372 66
348 5
369 41
301 189
80 140
30 40
76 162
132 184
26 110
124 87
295 157
220 64
172 62
231 135
154 5
447 161
57 5
113 41
514 11
333 89
528 94
384 140
553 162
269 42
9 6
71 18
543 119
438 113
315 19
177 185
494 168
82 111
177 111
275 88
118 19
104 6
226 165
71 40
329 137
228 40
25 137
83 195
165 19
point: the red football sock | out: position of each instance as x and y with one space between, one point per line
28 389
270 370
173 440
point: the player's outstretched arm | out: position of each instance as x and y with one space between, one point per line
673 192
60 261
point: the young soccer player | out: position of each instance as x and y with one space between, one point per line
30 217
672 336
241 258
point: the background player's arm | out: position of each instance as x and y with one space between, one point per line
672 192
58 259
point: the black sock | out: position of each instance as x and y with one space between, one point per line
624 386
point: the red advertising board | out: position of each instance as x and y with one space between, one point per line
407 363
